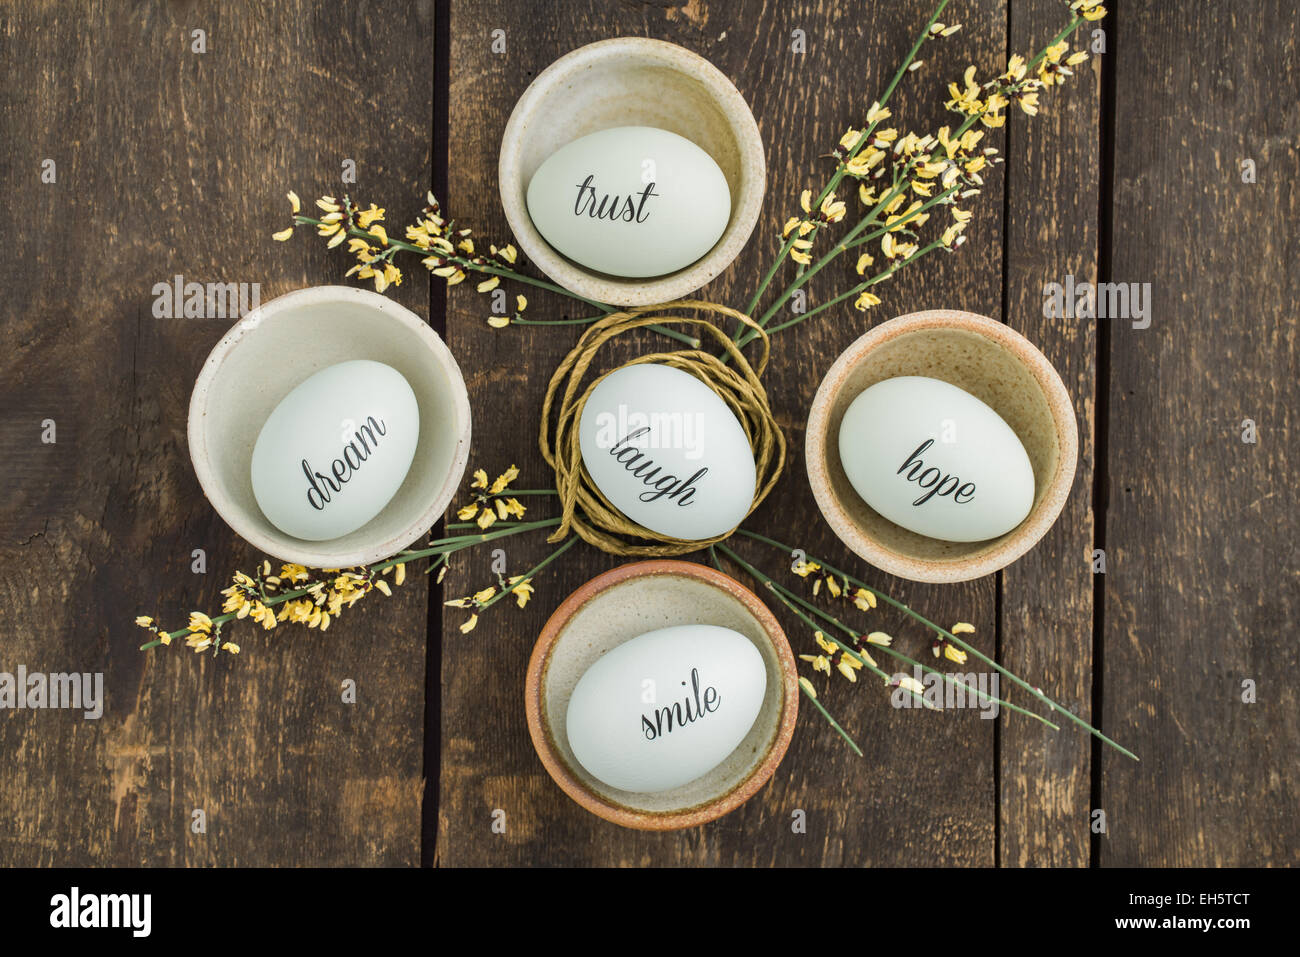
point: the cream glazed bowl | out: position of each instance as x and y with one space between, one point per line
633 81
272 350
622 604
999 367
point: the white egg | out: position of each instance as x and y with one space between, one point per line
666 707
936 460
630 201
667 452
335 450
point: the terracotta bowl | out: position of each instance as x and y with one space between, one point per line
633 81
276 347
993 363
620 605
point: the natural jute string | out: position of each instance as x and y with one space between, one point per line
585 510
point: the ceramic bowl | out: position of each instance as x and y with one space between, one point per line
276 347
632 81
992 362
622 604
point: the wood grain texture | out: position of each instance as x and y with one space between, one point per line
1203 590
924 793
174 162
1053 178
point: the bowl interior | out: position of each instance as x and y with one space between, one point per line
273 355
987 370
630 608
633 82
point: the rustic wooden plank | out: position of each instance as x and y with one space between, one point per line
1202 591
928 778
175 162
1053 171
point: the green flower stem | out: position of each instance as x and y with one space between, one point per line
492 269
839 173
833 723
1035 692
585 320
442 547
573 540
767 277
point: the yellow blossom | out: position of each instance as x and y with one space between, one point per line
283 234
487 285
865 301
468 626
864 599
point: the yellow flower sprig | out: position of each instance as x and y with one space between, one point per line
799 240
446 249
853 644
521 586
903 177
294 594
849 655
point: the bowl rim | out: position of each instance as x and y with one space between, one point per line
746 208
201 456
631 817
1013 544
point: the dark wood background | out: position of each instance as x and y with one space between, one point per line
171 162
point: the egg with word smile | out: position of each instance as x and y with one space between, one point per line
936 460
666 707
630 201
335 450
667 452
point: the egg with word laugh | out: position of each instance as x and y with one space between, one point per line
667 452
335 450
631 201
666 707
936 460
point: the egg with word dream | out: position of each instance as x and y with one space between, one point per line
667 452
666 707
936 460
335 450
630 201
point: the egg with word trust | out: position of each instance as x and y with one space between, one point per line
936 460
630 201
667 452
666 707
335 450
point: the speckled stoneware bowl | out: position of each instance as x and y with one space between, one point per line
999 367
622 604
633 81
275 348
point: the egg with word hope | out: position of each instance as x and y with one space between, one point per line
630 201
667 452
936 460
666 707
335 450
